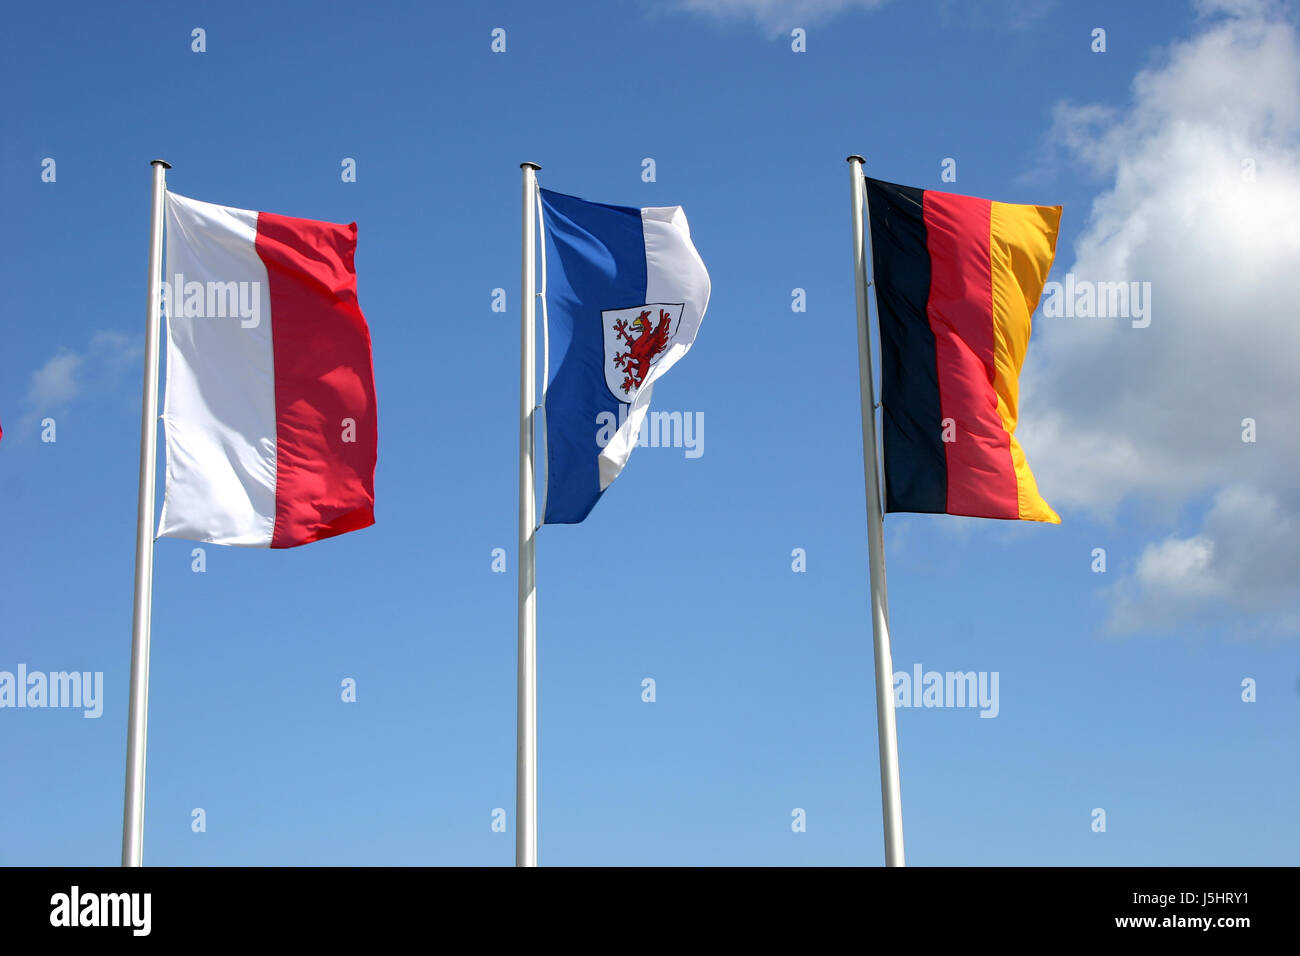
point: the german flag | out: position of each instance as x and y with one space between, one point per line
957 279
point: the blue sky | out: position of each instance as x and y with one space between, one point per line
1119 690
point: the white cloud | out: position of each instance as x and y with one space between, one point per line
1179 565
66 375
1154 415
55 383
775 15
781 16
1244 559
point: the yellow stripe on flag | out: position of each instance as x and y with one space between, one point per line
1021 249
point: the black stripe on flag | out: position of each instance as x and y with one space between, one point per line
916 470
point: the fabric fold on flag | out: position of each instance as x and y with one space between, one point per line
269 406
626 293
957 281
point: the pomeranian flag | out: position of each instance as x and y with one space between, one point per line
626 293
957 279
269 407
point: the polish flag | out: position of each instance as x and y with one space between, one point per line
269 408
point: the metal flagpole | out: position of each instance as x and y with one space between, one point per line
526 705
138 716
891 804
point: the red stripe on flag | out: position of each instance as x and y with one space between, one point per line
981 477
324 376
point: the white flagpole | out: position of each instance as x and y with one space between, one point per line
138 717
891 803
526 704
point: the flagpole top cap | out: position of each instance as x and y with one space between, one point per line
860 159
529 166
160 162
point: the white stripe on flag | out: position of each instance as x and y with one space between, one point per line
674 273
219 409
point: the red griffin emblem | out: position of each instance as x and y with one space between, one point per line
635 362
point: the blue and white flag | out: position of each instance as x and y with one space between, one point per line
626 292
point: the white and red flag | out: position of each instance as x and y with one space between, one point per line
269 407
